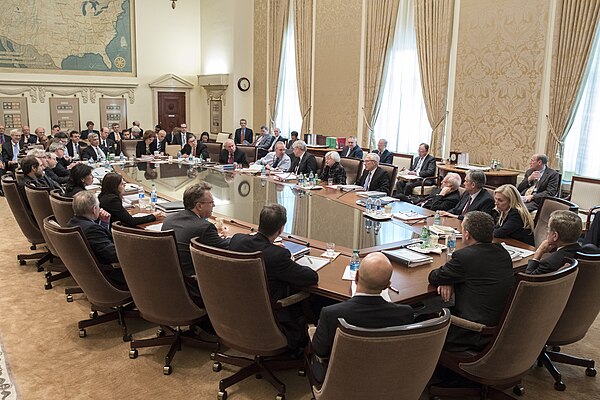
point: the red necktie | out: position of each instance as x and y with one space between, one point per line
230 160
466 209
194 151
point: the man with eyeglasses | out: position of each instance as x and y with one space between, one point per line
352 149
374 178
193 222
475 198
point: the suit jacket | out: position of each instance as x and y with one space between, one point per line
71 148
436 202
304 165
177 139
113 204
238 157
87 132
427 168
99 237
379 182
7 151
265 142
512 227
110 147
356 152
362 311
552 261
386 157
547 186
33 139
248 137
283 164
61 171
187 225
140 149
6 138
483 202
593 235
201 149
91 154
336 172
163 145
53 180
482 275
275 140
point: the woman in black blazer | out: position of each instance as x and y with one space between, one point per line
111 200
514 220
333 169
81 176
192 143
144 147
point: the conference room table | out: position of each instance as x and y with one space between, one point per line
314 217
494 178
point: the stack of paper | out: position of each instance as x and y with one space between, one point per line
409 215
517 253
407 257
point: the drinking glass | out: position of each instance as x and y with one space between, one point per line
330 250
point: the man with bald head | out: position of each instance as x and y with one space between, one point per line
366 309
539 182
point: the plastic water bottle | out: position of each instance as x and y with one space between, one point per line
141 196
300 179
437 220
311 179
122 157
153 197
451 244
378 208
263 172
179 156
424 237
354 261
369 205
316 180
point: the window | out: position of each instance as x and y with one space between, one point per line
402 117
288 117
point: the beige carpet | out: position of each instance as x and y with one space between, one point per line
48 360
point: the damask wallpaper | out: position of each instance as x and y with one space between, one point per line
501 47
337 63
260 65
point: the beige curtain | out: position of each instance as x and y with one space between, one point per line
303 26
576 22
433 24
381 16
278 17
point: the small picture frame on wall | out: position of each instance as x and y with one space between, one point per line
14 113
216 116
113 111
64 111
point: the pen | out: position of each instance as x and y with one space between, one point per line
309 260
393 289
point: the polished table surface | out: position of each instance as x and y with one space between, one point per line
313 216
493 178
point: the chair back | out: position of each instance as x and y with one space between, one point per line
75 252
320 163
20 211
532 311
585 192
398 361
402 160
236 296
214 150
128 147
549 205
353 168
583 305
222 137
39 200
392 170
150 263
62 207
249 150
173 150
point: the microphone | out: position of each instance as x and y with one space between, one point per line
348 191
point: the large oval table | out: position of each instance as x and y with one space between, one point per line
493 178
313 216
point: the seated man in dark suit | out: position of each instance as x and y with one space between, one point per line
75 145
446 197
107 144
93 151
263 141
385 156
283 273
11 150
94 223
423 167
195 148
243 135
539 182
192 222
303 162
374 178
475 198
160 144
90 129
276 138
48 178
564 229
231 154
26 137
366 309
481 277
352 149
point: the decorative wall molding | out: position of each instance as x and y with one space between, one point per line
171 83
88 92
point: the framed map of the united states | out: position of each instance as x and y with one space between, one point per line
69 36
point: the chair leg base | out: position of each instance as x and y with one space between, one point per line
484 392
23 258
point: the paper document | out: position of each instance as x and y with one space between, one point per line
384 293
312 262
155 227
409 215
516 253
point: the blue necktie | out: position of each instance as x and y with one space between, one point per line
15 151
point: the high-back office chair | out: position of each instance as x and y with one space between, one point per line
585 192
428 185
128 147
398 361
531 312
26 222
62 207
251 152
579 314
150 263
245 321
76 253
353 168
402 160
173 150
392 170
214 150
549 205
222 137
320 164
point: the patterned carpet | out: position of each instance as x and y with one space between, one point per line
8 391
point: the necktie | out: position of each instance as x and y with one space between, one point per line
275 162
243 137
182 140
466 209
100 153
76 150
15 152
419 164
348 152
1 138
230 159
194 151
158 145
367 181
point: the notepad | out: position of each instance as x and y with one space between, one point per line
297 250
312 262
407 257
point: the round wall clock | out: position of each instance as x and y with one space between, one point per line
243 84
244 188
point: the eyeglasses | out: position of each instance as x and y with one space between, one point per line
207 202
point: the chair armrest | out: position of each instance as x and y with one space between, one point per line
472 326
293 299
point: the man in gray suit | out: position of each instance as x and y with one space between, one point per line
539 182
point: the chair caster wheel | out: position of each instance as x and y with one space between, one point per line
127 338
590 372
160 333
302 372
93 314
167 370
82 333
280 397
33 247
560 386
48 275
217 366
133 353
213 356
69 298
22 262
555 348
518 390
48 286
222 395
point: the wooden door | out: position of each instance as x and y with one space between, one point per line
171 110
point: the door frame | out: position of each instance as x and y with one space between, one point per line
172 83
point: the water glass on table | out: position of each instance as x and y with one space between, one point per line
329 181
330 250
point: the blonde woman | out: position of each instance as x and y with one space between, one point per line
514 220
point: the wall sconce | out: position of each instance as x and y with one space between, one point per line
173 4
